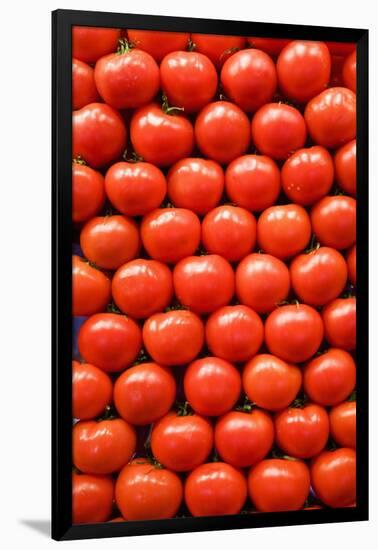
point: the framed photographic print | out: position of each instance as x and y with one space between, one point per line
210 213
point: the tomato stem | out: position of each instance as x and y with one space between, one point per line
79 160
124 46
167 109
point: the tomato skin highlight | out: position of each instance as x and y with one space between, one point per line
90 288
158 43
84 89
217 47
92 498
333 477
339 318
333 220
88 194
342 420
345 168
91 43
92 391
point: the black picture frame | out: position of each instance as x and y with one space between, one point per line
62 21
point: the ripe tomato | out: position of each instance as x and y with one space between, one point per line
196 184
333 477
135 188
92 391
222 131
92 498
181 443
294 332
308 175
334 221
278 130
349 71
212 386
174 338
88 194
336 71
330 378
244 438
189 79
90 288
331 117
98 134
158 43
234 333
342 419
110 341
161 137
345 168
215 489
272 46
144 393
142 287
351 263
339 318
283 230
84 89
204 283
279 485
341 48
102 447
270 382
170 234
91 43
217 47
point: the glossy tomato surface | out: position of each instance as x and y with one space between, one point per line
84 89
342 421
333 477
333 221
345 168
88 193
91 43
339 318
158 43
92 498
90 288
92 391
217 47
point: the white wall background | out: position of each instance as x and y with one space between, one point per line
25 269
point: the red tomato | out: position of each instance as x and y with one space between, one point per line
351 263
336 71
342 420
98 134
144 393
88 194
212 386
217 47
158 43
92 498
181 443
270 382
135 188
272 46
84 89
331 117
278 130
244 438
234 333
253 182
283 230
91 43
90 288
142 287
278 485
170 234
222 131
92 391
349 72
294 332
334 221
215 489
341 48
345 168
110 341
330 378
204 283
333 477
308 175
339 318
174 338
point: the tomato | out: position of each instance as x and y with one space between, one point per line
189 79
342 420
303 69
181 443
84 89
142 287
196 184
234 333
249 79
161 137
244 438
174 338
144 393
294 332
319 276
90 288
341 48
135 188
215 489
110 341
334 221
349 72
92 391
170 234
278 130
345 168
351 263
98 134
204 283
217 47
92 498
336 71
308 175
212 386
88 194
331 117
270 382
339 318
333 477
283 230
91 43
330 378
222 131
102 447
272 46
279 485
110 241
158 43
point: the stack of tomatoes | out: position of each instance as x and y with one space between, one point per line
214 184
